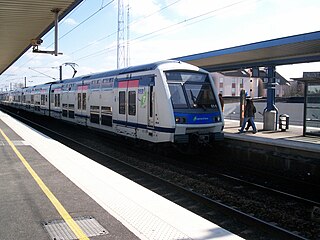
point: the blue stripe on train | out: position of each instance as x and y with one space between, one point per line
143 126
198 118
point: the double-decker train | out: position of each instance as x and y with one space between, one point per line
167 101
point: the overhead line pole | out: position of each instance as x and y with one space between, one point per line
120 40
128 37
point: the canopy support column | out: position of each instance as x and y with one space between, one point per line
270 114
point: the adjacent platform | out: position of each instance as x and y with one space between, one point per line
286 153
95 201
291 139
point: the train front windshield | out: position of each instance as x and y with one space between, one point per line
190 90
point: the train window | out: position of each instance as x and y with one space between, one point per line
106 120
106 110
57 100
177 96
84 101
79 101
122 102
43 99
95 109
32 99
94 118
187 76
132 103
200 96
151 102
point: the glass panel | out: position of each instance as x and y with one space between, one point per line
79 101
84 101
200 96
43 97
132 103
313 109
150 102
177 76
94 118
122 103
177 96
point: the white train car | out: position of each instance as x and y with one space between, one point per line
167 101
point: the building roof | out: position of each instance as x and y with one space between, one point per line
309 77
262 75
23 20
279 77
235 73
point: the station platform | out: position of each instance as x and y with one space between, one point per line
284 153
291 139
49 191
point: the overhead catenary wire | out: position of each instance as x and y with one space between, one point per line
149 35
93 14
131 24
133 41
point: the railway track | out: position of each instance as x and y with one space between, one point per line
180 187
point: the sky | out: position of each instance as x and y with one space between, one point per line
162 29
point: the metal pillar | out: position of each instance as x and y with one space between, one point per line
242 105
270 115
60 72
56 19
271 91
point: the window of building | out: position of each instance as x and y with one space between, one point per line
233 91
241 83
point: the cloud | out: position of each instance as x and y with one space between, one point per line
70 22
142 8
147 17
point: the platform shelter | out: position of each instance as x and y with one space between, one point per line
311 120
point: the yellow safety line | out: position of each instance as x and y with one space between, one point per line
62 211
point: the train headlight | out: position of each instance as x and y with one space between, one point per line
217 119
181 120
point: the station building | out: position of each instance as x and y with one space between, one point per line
230 83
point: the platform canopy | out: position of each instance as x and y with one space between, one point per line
301 48
23 20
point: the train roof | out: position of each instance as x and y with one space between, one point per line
132 69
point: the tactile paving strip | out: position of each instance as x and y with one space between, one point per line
59 230
20 143
148 224
15 143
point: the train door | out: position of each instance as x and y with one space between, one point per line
151 104
146 108
81 108
127 119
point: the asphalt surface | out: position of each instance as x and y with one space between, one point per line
25 207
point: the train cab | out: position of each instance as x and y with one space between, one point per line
196 110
